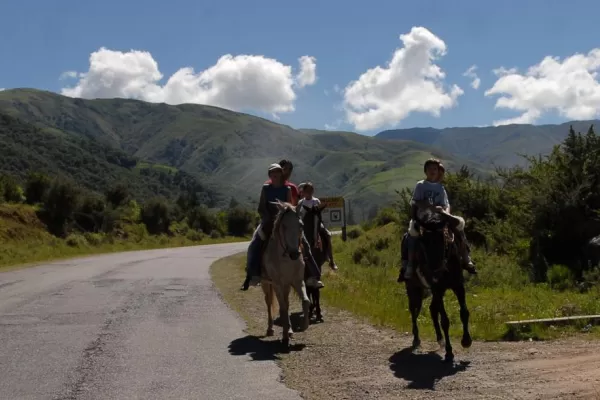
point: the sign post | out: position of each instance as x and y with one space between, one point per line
334 214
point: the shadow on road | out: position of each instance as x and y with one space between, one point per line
423 371
260 349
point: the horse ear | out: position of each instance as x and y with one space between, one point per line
279 204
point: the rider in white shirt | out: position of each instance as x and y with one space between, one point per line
307 198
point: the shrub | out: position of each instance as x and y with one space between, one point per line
354 233
240 222
36 187
156 216
560 277
76 240
94 239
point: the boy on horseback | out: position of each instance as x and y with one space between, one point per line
277 188
429 198
306 191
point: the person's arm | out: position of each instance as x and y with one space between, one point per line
294 195
263 207
445 202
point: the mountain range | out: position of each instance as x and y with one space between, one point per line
163 149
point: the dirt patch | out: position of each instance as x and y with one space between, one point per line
345 358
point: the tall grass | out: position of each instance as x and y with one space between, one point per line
366 285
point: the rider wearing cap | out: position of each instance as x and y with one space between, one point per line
275 189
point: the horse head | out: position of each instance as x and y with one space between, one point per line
288 229
310 226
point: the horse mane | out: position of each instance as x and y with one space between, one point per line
286 207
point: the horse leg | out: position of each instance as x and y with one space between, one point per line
461 296
284 316
302 290
317 300
434 310
311 297
269 300
415 302
446 328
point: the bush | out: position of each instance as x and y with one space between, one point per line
240 222
215 234
194 236
354 233
201 219
59 205
36 187
94 239
155 214
117 195
10 191
76 240
560 277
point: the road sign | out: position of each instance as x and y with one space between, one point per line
334 212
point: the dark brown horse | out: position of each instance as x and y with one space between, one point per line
312 232
438 260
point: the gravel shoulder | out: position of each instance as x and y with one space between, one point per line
346 358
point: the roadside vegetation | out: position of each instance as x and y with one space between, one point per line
43 218
530 228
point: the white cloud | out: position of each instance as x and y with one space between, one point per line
334 126
243 82
569 87
308 71
1 89
69 75
411 82
470 73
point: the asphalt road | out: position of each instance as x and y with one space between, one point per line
137 325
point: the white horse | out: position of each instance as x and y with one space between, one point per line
284 270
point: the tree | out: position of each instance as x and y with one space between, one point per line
59 205
36 187
240 222
117 195
155 214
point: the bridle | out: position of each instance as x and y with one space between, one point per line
280 239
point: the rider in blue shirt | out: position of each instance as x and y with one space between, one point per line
271 192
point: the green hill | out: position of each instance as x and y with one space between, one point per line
225 150
91 164
501 145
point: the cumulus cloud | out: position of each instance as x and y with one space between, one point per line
470 73
242 82
411 82
308 71
569 88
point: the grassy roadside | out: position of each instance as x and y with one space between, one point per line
366 286
25 240
13 256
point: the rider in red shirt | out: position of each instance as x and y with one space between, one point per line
288 167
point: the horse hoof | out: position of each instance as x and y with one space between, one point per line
416 344
449 358
285 344
466 341
291 334
319 318
270 332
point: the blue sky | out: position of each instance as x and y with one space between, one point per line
39 40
